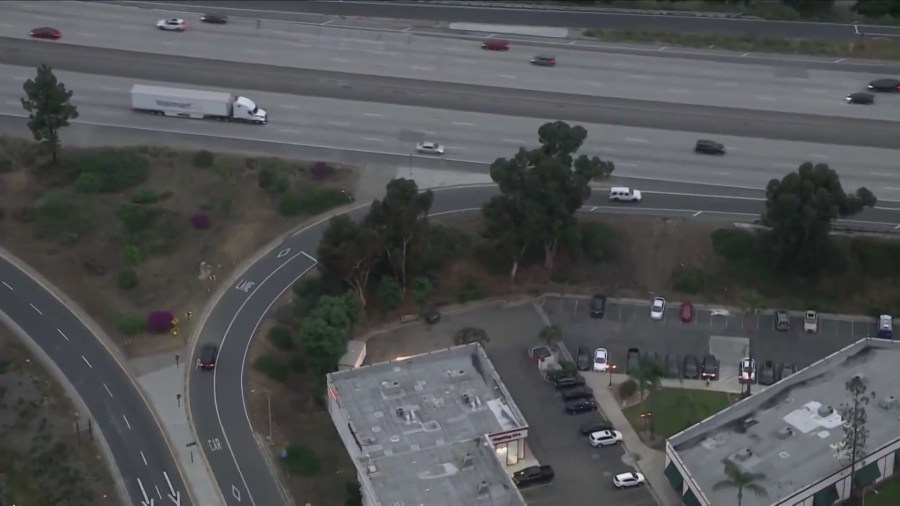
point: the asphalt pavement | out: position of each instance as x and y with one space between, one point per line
139 450
617 19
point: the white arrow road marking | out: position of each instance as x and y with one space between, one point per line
173 495
147 501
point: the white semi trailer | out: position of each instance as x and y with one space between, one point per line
197 104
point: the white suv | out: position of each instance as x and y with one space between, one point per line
622 194
605 438
628 480
172 25
810 322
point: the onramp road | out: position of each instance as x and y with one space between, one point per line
139 449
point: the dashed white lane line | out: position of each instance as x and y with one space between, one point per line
339 123
372 114
63 334
597 85
288 131
254 51
819 156
340 60
765 98
637 140
126 422
289 106
86 362
144 458
38 311
373 139
515 141
457 123
107 390
158 492
110 88
6 285
697 213
506 76
417 67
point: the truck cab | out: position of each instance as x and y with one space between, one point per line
247 110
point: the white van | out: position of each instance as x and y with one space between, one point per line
623 194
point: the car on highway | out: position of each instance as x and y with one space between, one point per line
595 424
45 32
566 382
781 320
583 358
583 405
884 85
533 475
172 25
810 322
632 360
767 373
598 306
709 368
605 438
686 312
214 19
495 45
747 371
861 97
628 480
691 367
544 61
429 148
787 369
207 358
624 194
673 366
657 308
601 360
580 392
708 147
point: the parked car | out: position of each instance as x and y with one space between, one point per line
605 438
657 308
747 371
598 306
495 45
595 424
207 358
886 326
632 360
533 475
429 148
601 360
709 369
583 358
673 366
691 367
860 98
687 312
432 316
543 60
172 25
810 322
583 405
582 392
889 85
628 480
781 320
214 19
708 147
787 369
767 373
45 32
567 382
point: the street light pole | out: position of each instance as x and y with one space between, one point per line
610 370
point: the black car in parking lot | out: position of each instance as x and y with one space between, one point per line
583 405
595 424
534 475
568 382
766 374
710 367
673 367
570 394
598 306
583 358
632 360
691 368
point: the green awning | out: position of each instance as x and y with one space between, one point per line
689 499
826 497
675 478
867 475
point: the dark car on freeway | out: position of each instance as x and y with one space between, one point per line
542 60
214 19
860 98
766 374
595 424
567 382
887 85
787 369
708 147
632 360
582 392
709 369
691 367
598 306
207 359
583 405
534 475
584 359
45 32
673 366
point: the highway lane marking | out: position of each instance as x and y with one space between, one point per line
418 67
463 60
288 106
598 85
146 501
110 88
36 309
724 84
457 123
820 157
63 334
506 76
679 91
254 51
721 172
168 43
698 213
765 98
107 390
289 130
639 76
14 102
173 495
877 174
636 139
7 285
88 35
457 148
515 141
123 417
373 115
143 458
307 255
340 60
339 123
373 139
745 55
89 365
158 492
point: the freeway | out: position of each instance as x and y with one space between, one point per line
459 97
139 449
618 19
477 137
411 56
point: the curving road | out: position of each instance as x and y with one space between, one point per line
409 56
139 449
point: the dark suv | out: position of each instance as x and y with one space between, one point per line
582 405
710 368
207 359
598 306
708 147
581 392
534 475
888 85
568 382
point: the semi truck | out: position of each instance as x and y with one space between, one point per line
197 104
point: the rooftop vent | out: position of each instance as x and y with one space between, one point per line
784 433
483 488
467 461
825 411
888 403
742 455
466 399
401 412
784 455
455 373
747 423
390 384
371 469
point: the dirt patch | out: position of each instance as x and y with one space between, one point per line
44 459
86 256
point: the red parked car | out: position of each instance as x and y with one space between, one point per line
495 45
687 312
45 32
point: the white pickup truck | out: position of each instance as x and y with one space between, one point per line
196 104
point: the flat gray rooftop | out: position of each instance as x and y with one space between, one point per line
420 422
791 432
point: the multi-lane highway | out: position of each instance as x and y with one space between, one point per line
446 60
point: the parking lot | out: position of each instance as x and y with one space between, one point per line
730 338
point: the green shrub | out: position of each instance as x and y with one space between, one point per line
6 163
128 279
309 201
116 170
301 459
876 258
131 325
388 294
627 388
131 255
353 494
272 367
162 237
204 159
690 280
297 363
598 242
560 276
470 289
145 196
272 180
734 245
89 182
136 218
281 338
57 217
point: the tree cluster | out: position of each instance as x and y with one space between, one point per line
877 8
49 108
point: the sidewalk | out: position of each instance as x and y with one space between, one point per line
162 382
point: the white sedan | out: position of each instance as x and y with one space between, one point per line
429 148
657 308
601 360
172 24
628 480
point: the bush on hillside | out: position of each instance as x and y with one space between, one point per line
200 221
204 159
160 321
128 279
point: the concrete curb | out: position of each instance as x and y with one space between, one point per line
103 338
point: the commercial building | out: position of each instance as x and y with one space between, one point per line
433 429
792 434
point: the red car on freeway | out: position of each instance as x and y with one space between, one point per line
45 32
